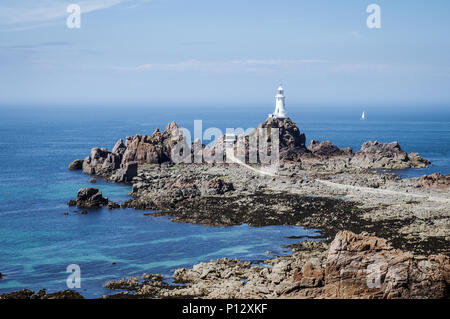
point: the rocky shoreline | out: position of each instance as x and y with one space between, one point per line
351 266
335 191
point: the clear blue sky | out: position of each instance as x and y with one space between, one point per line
207 51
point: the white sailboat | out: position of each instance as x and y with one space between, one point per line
363 116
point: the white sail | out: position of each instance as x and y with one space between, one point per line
363 116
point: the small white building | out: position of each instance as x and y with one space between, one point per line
280 110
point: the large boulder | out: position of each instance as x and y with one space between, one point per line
360 266
327 149
90 198
378 150
417 161
76 165
309 276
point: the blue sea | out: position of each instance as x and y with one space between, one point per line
38 241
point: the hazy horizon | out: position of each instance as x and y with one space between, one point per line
248 113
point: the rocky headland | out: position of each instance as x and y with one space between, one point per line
320 186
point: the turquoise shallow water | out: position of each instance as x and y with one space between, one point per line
38 241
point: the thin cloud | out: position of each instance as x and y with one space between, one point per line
352 67
219 66
25 15
265 66
37 45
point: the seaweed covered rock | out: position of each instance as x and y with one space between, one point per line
42 294
217 186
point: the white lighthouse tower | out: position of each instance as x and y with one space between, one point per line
280 111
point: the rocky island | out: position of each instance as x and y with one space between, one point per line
339 192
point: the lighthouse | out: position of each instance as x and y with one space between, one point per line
280 111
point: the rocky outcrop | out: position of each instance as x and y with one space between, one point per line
112 205
148 286
415 160
292 141
372 155
378 150
101 162
120 165
387 156
41 294
76 165
152 149
309 276
90 198
435 180
368 267
119 148
327 149
124 283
